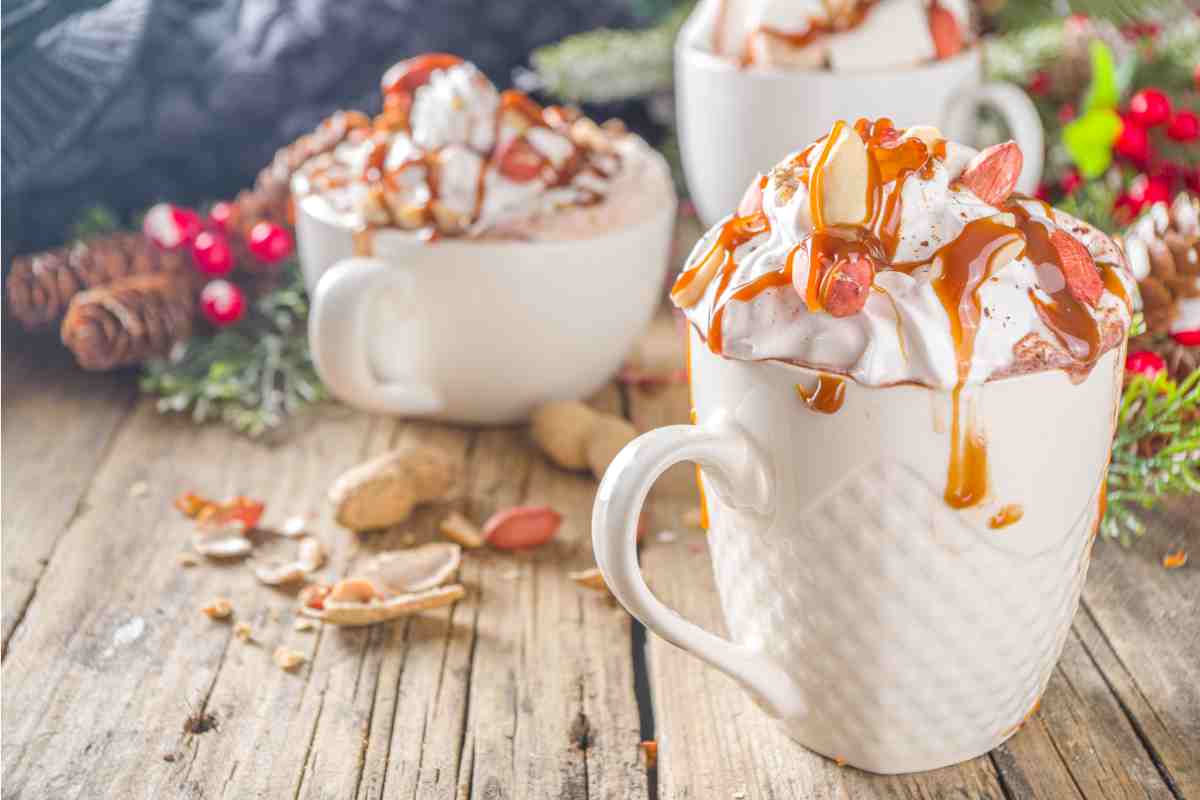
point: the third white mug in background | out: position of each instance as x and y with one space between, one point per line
732 120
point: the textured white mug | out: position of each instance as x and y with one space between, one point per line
732 121
881 625
476 331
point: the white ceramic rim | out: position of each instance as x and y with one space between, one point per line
321 213
711 61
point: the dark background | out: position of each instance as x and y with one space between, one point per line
127 102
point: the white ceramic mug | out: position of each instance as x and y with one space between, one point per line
881 625
476 331
732 121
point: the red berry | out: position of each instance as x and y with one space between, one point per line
171 226
212 254
1192 180
1147 191
1134 142
1145 362
1070 181
221 215
1149 107
1066 113
1042 192
1125 208
1039 83
1184 127
222 303
1187 338
270 243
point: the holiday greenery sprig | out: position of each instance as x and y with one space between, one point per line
252 375
1156 450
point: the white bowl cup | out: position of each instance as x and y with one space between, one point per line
476 331
879 624
735 122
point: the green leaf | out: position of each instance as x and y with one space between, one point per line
1102 91
1088 139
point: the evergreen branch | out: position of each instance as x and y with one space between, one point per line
1155 450
253 376
604 66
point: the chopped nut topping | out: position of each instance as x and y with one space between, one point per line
220 608
288 659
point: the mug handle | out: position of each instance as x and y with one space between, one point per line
337 334
1020 115
735 470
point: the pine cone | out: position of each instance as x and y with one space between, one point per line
1163 247
129 321
41 286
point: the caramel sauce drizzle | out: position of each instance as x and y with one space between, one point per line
692 419
1006 516
966 263
816 29
1112 282
828 395
1067 318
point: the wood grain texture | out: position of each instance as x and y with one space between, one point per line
58 423
523 689
1141 623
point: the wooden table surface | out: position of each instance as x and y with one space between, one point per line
530 687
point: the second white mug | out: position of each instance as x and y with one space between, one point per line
732 121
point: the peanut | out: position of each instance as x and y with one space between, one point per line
561 429
607 438
383 492
457 528
522 527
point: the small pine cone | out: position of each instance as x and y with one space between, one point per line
1163 248
40 286
129 321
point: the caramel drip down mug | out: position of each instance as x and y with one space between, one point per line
880 625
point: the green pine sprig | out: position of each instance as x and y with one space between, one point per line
1156 450
253 376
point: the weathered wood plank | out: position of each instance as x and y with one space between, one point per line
1079 742
114 653
59 421
1139 623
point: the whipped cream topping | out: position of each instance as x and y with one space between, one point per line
959 290
844 35
452 156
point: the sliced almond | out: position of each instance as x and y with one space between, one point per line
355 614
927 134
457 528
589 578
844 180
992 174
1078 267
412 570
220 608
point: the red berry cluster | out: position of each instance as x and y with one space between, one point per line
1147 110
174 227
